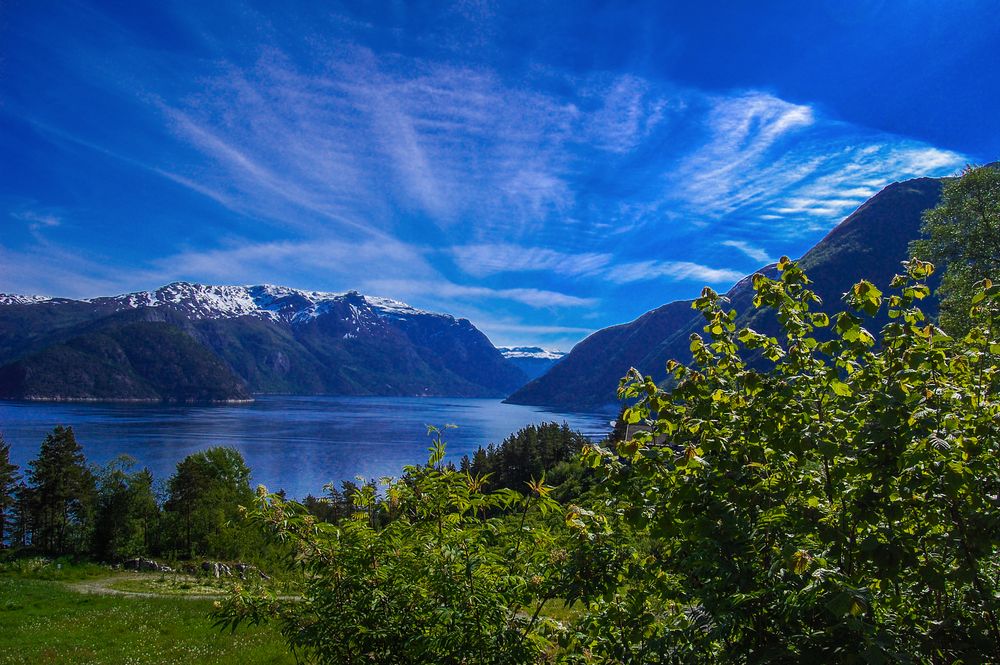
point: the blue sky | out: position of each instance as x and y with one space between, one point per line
543 169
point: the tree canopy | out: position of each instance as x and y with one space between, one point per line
203 502
61 494
962 235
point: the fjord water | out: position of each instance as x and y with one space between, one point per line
293 443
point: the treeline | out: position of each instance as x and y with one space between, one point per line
527 455
548 450
61 505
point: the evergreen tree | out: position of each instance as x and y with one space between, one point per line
8 487
60 495
336 504
528 454
21 524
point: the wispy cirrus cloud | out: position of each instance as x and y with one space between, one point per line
443 289
756 253
778 161
641 271
334 153
490 259
37 219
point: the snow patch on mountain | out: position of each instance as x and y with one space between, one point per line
15 299
268 301
530 352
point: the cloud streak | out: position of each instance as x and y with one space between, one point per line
491 259
642 271
755 253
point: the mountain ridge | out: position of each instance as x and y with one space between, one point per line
267 339
532 360
868 244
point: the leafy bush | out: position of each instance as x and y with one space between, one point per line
425 573
842 505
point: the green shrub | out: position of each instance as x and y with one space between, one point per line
841 504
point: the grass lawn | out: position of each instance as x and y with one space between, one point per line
171 585
43 621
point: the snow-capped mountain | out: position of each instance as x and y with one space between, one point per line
14 299
266 338
278 303
532 360
530 352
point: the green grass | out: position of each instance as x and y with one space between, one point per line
43 621
556 609
173 585
64 569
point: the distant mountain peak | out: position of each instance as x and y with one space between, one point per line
15 299
869 244
266 301
530 352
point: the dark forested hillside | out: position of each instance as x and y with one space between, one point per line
869 244
191 342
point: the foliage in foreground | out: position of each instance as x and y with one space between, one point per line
438 570
835 499
842 506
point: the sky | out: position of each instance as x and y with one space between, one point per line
542 169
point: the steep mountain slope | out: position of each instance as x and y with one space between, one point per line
142 361
224 342
532 360
869 244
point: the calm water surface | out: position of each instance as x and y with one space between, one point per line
295 443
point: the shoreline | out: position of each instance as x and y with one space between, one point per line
127 400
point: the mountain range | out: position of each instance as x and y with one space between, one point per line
869 244
532 360
192 342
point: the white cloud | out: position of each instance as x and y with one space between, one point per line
673 270
341 261
720 175
359 170
37 220
785 162
443 289
491 259
755 253
51 271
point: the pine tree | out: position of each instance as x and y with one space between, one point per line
61 494
8 487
